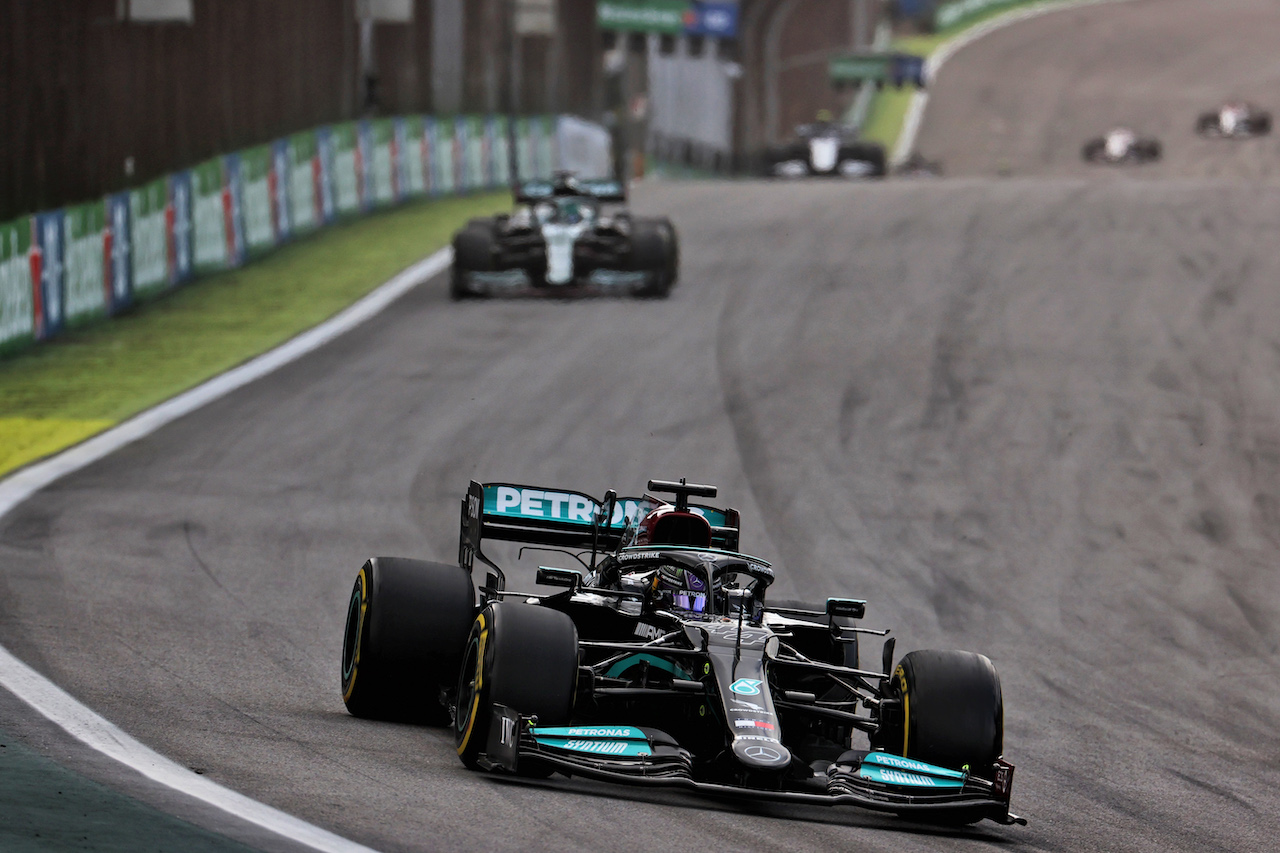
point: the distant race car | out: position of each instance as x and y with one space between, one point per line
566 237
1121 146
916 166
1235 120
826 149
657 659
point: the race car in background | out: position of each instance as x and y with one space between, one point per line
658 658
918 166
566 237
827 149
1121 145
1234 120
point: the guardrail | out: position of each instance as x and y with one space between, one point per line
80 263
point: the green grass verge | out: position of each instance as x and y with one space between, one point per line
57 393
889 107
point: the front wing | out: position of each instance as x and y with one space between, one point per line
597 282
633 755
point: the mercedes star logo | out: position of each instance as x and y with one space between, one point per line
762 753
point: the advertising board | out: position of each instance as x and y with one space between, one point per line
17 309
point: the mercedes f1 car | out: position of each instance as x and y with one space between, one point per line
918 166
826 149
1121 146
566 236
1235 120
657 658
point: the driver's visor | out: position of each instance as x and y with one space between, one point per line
695 602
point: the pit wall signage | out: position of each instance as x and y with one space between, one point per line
669 17
81 263
957 13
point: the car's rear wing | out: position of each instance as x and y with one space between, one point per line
564 519
605 191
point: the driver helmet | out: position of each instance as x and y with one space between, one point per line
571 212
687 588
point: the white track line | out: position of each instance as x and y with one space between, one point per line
920 100
83 723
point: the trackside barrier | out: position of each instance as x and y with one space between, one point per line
60 268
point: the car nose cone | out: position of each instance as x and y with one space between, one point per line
762 754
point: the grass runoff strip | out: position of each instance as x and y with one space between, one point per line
890 112
61 392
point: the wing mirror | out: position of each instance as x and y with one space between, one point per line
548 576
850 608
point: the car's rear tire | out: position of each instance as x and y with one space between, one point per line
950 712
472 252
1092 150
520 655
1207 124
407 623
1262 124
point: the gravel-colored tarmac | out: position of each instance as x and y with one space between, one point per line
1036 417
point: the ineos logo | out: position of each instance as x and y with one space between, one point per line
762 753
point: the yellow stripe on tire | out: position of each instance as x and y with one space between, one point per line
475 697
363 581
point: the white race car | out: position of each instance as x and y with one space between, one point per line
1235 120
826 149
1121 145
561 240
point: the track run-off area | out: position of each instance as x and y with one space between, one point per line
1035 416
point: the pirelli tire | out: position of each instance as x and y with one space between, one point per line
1093 150
777 155
406 629
473 251
523 656
655 249
870 153
949 710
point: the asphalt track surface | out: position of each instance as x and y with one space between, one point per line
1037 418
1025 99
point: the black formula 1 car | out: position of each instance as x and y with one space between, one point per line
1121 145
658 659
566 236
918 166
826 149
1234 120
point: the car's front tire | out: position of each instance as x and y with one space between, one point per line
402 645
522 656
654 250
473 248
949 711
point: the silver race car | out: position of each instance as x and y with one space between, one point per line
826 149
566 237
1121 146
1234 120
